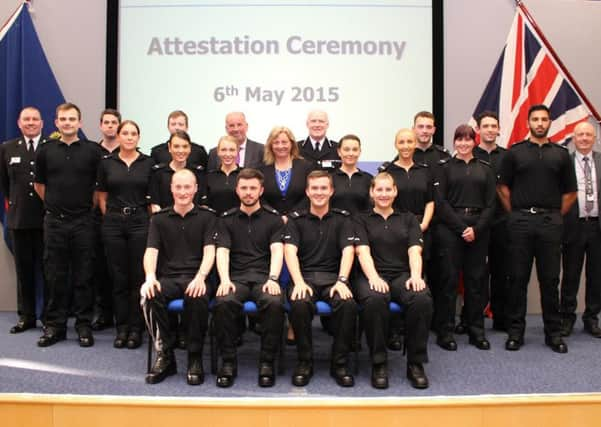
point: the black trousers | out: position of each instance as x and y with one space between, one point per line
196 311
228 309
498 269
457 255
103 285
124 243
69 262
342 322
28 250
375 313
585 240
534 236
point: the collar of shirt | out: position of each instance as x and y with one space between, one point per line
36 141
580 157
192 211
321 142
395 212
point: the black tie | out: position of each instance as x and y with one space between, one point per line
317 147
30 146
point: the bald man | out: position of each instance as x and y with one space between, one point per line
250 152
582 237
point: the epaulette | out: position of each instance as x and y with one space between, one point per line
196 167
206 208
484 162
107 156
230 212
341 211
443 161
384 166
296 214
440 148
164 210
270 209
423 165
518 143
159 166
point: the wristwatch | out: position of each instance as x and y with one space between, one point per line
343 279
274 278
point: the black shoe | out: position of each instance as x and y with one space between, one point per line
379 375
302 373
164 365
120 340
196 375
102 323
86 339
447 342
395 342
266 374
134 340
461 329
514 344
226 375
417 376
556 344
592 329
567 326
480 343
342 375
51 336
22 325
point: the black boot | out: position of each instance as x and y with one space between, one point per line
164 365
196 373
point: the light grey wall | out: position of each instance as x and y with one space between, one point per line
73 34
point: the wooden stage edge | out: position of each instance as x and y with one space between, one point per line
115 411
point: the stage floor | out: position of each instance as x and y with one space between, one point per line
65 368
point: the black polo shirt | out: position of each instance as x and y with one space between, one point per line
351 193
198 155
389 239
466 185
431 155
319 241
495 158
538 175
181 240
126 186
218 190
415 186
249 237
160 184
69 174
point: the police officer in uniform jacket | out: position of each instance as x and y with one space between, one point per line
465 194
25 212
318 149
537 185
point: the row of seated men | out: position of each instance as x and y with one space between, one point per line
62 220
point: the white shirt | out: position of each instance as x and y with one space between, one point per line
242 153
579 166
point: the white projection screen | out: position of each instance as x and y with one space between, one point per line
367 64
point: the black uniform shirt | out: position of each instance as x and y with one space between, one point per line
495 158
319 241
17 173
127 186
249 237
431 155
218 190
198 155
69 174
181 240
351 193
538 175
466 185
415 187
160 184
389 239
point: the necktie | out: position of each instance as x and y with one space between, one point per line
588 186
317 147
30 146
238 156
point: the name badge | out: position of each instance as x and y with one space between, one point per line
590 197
15 160
327 164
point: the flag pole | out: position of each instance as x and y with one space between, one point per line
520 4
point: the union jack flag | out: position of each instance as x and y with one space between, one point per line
527 73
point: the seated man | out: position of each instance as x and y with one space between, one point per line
319 255
249 260
175 237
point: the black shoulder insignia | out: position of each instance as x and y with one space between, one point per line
443 161
158 166
296 214
341 211
440 148
384 166
423 165
107 156
515 144
270 209
230 212
206 208
195 167
484 162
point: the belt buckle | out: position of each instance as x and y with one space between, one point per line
126 210
533 210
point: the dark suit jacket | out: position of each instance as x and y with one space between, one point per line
295 197
17 167
329 151
253 156
570 220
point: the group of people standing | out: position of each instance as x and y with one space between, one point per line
296 222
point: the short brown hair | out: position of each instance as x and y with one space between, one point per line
112 112
250 173
68 106
350 137
320 173
177 113
425 114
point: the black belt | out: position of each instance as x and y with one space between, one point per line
588 218
468 211
536 211
128 210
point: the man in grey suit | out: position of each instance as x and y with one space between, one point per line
251 152
582 236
